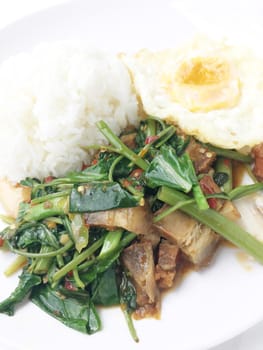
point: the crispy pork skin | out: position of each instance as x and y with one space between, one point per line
165 269
137 219
202 157
138 260
198 242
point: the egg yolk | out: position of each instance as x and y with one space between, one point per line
204 84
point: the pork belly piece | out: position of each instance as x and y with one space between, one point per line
197 241
257 154
11 195
152 236
137 220
201 156
129 140
138 260
165 269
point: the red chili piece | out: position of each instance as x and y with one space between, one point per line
69 286
136 173
48 179
208 186
150 139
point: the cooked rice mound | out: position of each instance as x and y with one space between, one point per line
50 100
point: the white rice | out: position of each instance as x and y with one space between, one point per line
50 100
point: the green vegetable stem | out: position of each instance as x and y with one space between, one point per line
229 154
53 207
120 147
224 173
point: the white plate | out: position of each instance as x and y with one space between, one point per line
211 305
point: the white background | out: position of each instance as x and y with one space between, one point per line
203 12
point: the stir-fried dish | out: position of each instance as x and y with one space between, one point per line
119 231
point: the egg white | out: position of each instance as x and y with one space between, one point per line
227 114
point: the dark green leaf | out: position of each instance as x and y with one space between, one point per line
141 134
179 143
156 205
99 266
96 172
100 196
26 282
74 312
22 210
170 170
8 233
104 289
29 182
36 234
123 169
102 167
127 293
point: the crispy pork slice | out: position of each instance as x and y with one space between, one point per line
129 140
165 269
137 220
138 260
201 156
152 236
12 195
198 242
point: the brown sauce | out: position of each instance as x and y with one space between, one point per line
182 272
183 269
244 260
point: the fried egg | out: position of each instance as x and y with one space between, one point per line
211 90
